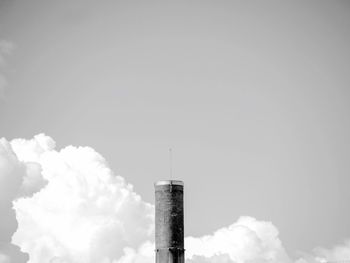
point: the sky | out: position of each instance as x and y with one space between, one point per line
252 97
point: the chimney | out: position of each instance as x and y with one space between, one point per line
169 222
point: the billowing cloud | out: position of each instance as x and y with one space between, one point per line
17 179
84 214
143 254
247 240
337 254
71 208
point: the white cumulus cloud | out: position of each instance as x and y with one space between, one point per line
17 178
247 240
84 214
71 208
339 253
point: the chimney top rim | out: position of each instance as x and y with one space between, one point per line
169 182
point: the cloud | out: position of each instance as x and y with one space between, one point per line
17 178
247 240
84 214
6 48
144 254
339 253
71 208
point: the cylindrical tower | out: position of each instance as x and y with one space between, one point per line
169 222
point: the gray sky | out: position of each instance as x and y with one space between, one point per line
253 97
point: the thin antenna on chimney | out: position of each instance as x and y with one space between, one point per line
171 163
